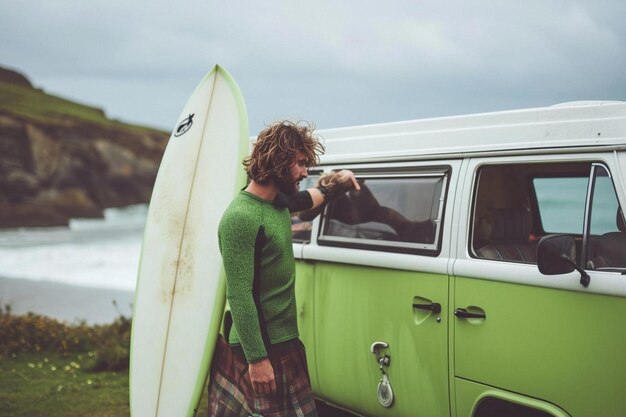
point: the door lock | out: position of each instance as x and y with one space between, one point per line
383 360
384 391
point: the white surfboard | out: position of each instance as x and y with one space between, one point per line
180 291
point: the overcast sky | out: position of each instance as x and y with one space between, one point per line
336 63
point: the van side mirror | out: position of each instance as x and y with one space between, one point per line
556 254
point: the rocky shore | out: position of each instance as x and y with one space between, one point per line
60 160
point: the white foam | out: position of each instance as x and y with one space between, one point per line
102 253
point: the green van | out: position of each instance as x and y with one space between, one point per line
479 272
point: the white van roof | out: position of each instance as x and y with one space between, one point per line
567 127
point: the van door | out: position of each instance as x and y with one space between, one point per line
528 343
381 292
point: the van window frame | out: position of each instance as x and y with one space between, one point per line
426 249
585 258
537 223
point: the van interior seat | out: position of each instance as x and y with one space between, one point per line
507 233
610 248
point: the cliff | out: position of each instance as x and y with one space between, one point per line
60 159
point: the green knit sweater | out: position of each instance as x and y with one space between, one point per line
255 242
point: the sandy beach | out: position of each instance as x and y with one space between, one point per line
69 303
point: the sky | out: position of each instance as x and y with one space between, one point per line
334 63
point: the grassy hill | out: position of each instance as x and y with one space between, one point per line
22 99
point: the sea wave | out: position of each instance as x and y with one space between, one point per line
101 253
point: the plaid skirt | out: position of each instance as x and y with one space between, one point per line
231 393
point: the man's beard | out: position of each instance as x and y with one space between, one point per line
286 185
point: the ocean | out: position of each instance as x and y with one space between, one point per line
97 253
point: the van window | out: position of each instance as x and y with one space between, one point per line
391 212
604 205
300 228
606 242
561 202
516 205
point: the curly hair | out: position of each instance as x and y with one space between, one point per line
276 147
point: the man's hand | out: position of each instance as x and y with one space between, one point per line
336 184
347 180
262 377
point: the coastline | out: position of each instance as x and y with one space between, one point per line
69 303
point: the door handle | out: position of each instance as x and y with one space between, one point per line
434 307
383 360
464 314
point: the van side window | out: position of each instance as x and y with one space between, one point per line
301 228
400 212
516 205
561 202
606 244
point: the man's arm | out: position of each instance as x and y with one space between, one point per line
239 237
327 188
331 186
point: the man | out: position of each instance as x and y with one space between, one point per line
260 369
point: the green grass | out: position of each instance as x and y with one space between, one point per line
54 369
42 107
50 368
56 385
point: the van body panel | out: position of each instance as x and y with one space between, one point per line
376 259
357 306
473 394
305 302
540 342
527 130
610 283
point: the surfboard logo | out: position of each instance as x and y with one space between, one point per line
184 126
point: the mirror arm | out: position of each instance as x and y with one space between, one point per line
584 277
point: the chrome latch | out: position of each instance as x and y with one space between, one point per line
385 393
